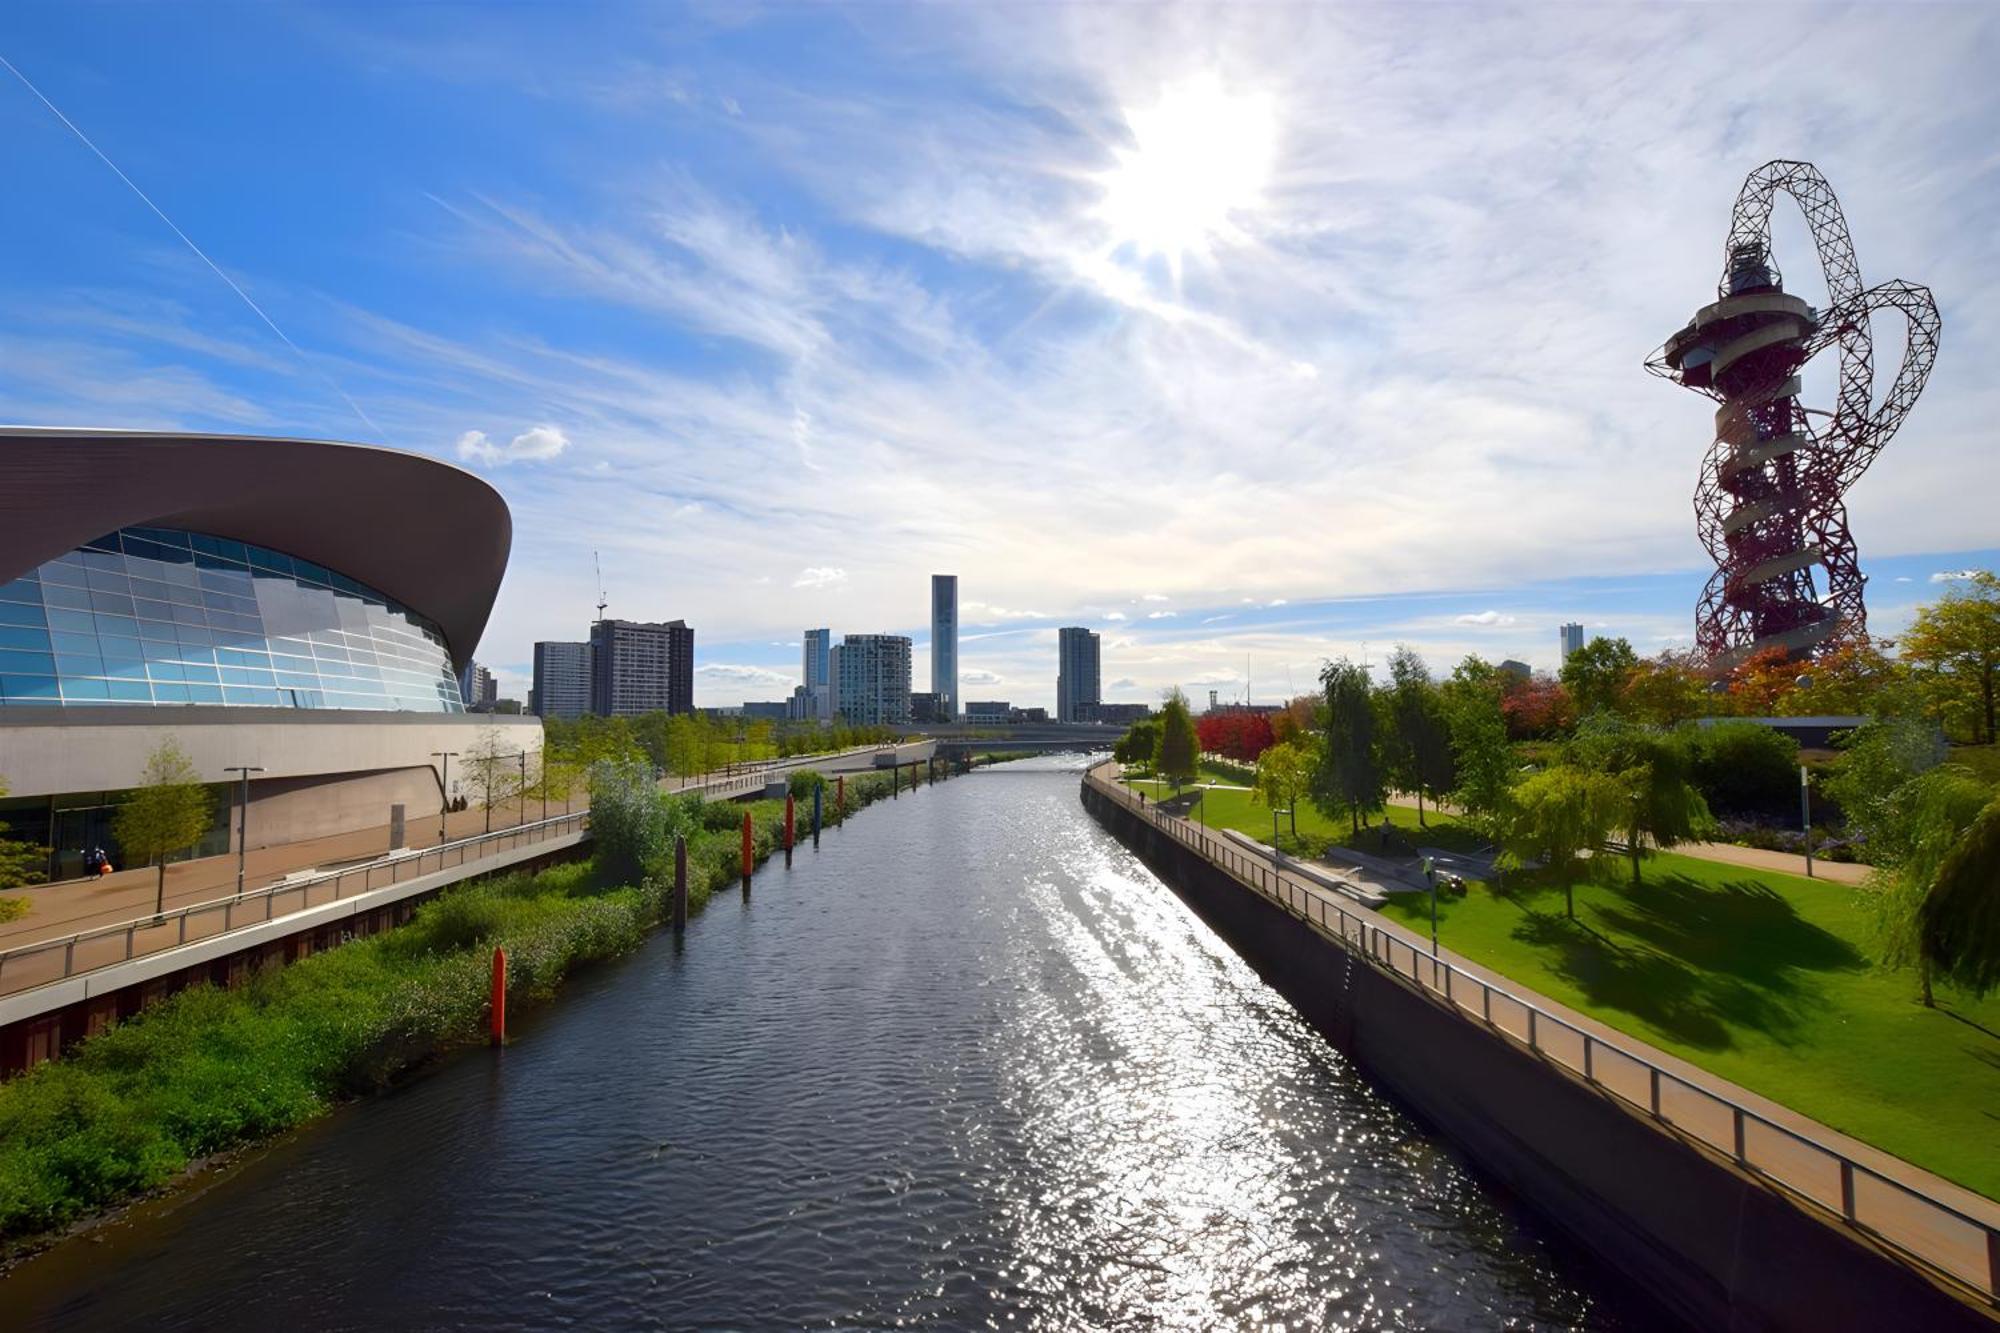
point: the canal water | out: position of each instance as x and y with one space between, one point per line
968 1065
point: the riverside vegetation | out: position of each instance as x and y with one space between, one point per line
207 1070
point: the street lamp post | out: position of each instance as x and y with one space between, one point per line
524 787
1431 874
1805 815
444 790
242 821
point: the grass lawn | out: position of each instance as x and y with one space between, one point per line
1768 980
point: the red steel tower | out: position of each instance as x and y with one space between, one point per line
1769 504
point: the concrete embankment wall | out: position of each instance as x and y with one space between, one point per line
1711 1244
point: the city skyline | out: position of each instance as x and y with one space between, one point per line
692 304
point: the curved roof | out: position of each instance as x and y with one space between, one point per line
428 534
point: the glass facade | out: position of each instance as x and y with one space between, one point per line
156 616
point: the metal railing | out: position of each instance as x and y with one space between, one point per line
105 946
1917 1225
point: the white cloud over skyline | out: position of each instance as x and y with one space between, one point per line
870 324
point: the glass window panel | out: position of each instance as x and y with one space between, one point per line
185 578
76 622
150 610
127 670
298 680
199 674
154 589
24 636
74 643
190 615
85 691
193 636
262 558
118 649
107 580
312 573
110 603
166 671
170 694
204 694
326 652
208 562
124 627
103 560
152 629
264 698
38 688
14 613
15 662
245 676
79 664
21 590
129 691
56 594
227 582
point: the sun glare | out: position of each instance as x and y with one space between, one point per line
1199 161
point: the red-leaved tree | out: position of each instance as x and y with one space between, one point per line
1234 733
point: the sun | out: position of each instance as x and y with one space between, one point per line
1198 165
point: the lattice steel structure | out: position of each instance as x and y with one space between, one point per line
1769 505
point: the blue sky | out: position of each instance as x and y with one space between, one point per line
1248 335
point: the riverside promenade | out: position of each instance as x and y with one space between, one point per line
1940 1229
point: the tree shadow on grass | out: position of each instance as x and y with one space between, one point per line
1693 960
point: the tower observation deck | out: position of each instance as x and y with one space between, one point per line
1769 505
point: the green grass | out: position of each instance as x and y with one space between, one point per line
1768 980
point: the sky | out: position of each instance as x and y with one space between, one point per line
1250 336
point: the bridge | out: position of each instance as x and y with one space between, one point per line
959 739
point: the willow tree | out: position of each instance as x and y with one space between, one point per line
1959 922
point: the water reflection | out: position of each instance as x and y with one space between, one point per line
969 1065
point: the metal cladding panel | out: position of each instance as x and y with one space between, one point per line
431 535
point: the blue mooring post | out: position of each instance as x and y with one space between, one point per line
818 787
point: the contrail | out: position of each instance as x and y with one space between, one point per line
145 199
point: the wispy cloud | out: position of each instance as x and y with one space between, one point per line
537 444
819 576
1484 618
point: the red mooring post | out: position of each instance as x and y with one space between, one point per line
789 803
499 997
748 847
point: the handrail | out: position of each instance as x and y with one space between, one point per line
390 868
1975 1266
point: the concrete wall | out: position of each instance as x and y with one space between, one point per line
1711 1244
325 771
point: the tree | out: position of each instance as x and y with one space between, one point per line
1284 773
1665 691
1960 919
1537 708
1876 761
1235 733
1745 768
1348 774
1596 674
1759 684
1921 824
168 814
1955 647
494 770
1177 755
1418 756
1662 805
20 862
1558 815
1138 745
1852 678
686 747
1482 758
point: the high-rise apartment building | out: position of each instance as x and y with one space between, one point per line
562 680
477 688
816 672
872 678
1077 672
1572 639
641 667
944 644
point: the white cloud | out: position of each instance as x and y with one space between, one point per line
819 576
743 674
1156 597
977 677
537 444
1276 601
1484 618
1161 615
1904 578
1952 575
1115 615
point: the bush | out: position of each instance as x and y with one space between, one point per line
803 782
1746 769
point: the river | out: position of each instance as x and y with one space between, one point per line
969 1064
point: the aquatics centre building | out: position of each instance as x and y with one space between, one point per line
295 606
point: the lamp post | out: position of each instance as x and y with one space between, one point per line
1431 874
1805 815
523 789
242 822
444 789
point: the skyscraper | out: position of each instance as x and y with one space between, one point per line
816 672
477 688
562 680
944 643
641 667
1572 639
873 680
1077 675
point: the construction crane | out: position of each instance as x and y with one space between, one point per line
1770 504
602 602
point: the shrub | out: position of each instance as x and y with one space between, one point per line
803 782
1746 769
